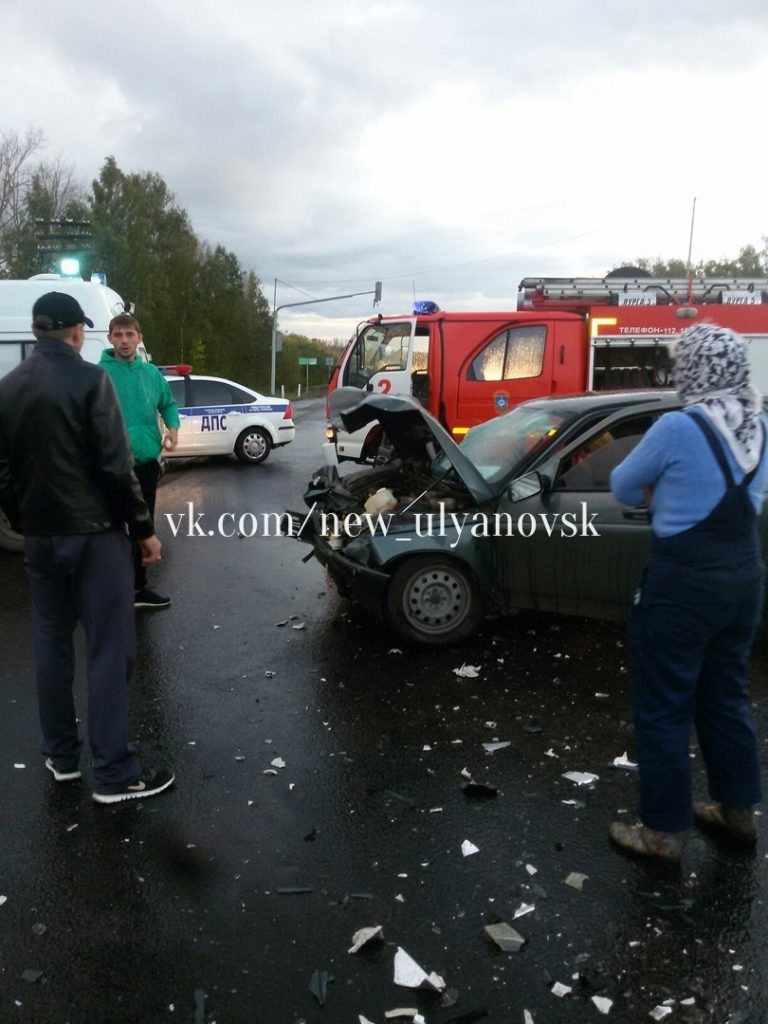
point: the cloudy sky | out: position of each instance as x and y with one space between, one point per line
446 147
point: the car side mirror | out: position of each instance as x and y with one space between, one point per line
526 487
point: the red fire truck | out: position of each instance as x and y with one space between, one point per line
567 335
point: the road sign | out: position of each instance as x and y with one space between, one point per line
307 361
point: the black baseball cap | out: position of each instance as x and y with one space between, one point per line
57 310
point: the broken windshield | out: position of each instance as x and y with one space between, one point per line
503 444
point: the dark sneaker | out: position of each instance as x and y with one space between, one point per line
149 599
151 782
62 776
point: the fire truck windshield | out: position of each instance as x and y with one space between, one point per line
379 347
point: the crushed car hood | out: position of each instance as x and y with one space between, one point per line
411 429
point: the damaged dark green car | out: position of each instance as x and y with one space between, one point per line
432 536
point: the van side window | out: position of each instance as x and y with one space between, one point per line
512 355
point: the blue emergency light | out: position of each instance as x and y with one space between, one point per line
425 307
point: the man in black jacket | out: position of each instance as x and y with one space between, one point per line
66 482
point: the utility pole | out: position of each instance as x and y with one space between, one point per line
375 292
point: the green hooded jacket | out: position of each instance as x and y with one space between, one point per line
144 393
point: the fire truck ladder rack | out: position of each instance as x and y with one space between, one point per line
578 293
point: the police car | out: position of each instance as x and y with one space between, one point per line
219 417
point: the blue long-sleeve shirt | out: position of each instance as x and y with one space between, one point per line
675 459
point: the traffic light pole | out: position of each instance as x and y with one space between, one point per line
376 293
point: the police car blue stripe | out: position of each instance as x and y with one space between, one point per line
208 410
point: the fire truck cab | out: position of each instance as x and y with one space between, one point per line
568 335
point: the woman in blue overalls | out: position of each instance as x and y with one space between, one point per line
698 605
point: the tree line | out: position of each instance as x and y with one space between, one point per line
195 301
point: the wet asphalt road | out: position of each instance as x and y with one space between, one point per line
131 911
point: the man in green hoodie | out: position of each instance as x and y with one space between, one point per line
145 399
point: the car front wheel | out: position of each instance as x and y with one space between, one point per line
253 446
434 600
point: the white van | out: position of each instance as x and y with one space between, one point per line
99 303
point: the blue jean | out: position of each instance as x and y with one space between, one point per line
86 577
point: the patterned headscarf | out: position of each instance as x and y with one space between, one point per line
712 371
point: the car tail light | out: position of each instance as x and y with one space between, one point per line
288 414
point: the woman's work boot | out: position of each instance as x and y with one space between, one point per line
738 823
647 842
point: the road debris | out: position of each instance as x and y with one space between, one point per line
410 975
531 869
623 762
660 1012
491 748
581 778
505 937
281 624
523 909
299 625
365 935
479 791
3 900
39 928
394 650
318 985
576 880
269 674
277 762
602 1003
467 671
32 975
294 890
401 1011
200 997
560 990
468 848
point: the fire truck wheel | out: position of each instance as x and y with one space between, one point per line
434 600
253 446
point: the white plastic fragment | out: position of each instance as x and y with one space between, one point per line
217 627
364 935
660 1012
19 766
467 671
269 674
623 761
71 828
528 1017
581 778
298 625
401 1011
491 748
277 762
690 1001
550 753
410 975
468 848
531 869
400 898
363 1020
394 650
576 880
505 937
466 773
523 909
560 990
3 899
269 771
602 696
602 1003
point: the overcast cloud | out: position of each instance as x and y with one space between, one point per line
446 147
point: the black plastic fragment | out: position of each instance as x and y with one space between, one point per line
400 797
479 791
532 727
318 985
467 1018
32 975
200 998
293 890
